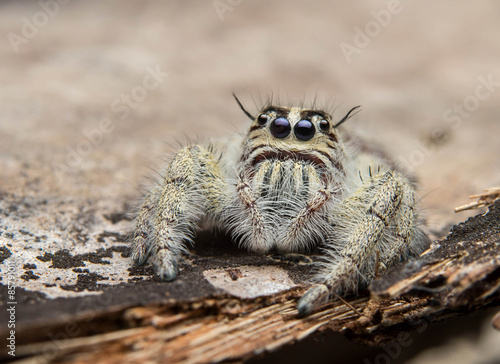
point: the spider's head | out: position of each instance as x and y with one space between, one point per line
294 125
292 132
289 123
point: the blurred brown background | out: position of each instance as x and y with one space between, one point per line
93 93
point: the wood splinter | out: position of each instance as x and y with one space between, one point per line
484 199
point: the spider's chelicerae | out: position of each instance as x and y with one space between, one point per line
289 184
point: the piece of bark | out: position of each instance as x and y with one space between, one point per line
456 276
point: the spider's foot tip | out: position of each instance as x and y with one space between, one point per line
304 308
312 299
168 273
139 258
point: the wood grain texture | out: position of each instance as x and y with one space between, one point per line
456 276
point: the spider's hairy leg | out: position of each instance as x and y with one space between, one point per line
378 216
407 232
191 188
142 244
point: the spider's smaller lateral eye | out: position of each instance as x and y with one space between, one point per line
262 119
324 125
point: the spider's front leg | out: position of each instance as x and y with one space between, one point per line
191 187
375 225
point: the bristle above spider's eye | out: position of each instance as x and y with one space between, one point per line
280 128
262 119
324 125
304 130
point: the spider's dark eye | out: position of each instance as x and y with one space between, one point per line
262 119
304 130
280 128
324 125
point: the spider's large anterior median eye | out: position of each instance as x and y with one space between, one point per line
262 119
280 128
304 130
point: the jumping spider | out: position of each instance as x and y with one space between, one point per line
290 184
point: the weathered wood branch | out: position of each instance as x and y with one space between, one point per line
456 276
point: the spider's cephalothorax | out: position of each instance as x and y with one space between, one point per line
289 184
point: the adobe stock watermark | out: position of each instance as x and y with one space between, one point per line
31 26
363 36
223 6
394 349
11 305
453 119
121 106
